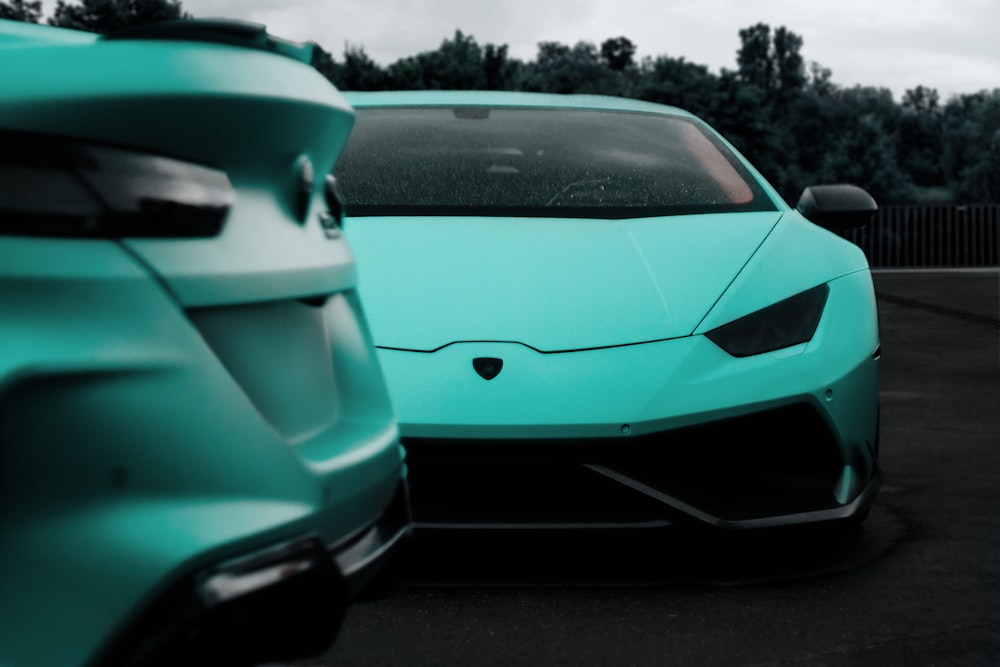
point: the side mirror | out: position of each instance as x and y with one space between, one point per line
837 207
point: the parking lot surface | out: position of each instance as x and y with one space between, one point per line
919 583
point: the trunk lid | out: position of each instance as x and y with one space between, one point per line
221 95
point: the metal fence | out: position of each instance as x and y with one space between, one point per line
932 236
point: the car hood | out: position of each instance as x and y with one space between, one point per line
552 284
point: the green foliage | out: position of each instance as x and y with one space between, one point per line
618 53
792 121
498 69
865 154
820 80
771 62
790 71
21 10
920 138
559 68
107 16
357 72
921 99
754 59
456 65
971 140
676 82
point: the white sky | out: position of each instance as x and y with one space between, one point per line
951 45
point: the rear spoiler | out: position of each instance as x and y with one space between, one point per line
219 31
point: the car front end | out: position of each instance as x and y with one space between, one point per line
592 312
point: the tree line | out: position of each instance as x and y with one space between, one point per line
788 117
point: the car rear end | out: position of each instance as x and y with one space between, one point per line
198 456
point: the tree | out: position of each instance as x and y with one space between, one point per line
741 113
773 63
790 71
865 154
618 53
921 99
920 134
21 10
107 16
680 83
820 80
456 65
357 72
754 61
559 68
499 70
763 98
971 146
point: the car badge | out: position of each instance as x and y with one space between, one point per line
487 367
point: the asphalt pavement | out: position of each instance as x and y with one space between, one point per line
918 583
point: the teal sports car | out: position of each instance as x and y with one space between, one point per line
199 463
593 312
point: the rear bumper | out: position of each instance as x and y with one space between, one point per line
361 557
281 602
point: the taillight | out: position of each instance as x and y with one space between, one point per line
57 187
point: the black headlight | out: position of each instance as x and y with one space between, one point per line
59 187
783 324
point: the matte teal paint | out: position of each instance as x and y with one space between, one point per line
517 288
131 454
652 386
104 379
796 256
617 281
447 98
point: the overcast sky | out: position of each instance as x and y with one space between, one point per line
951 45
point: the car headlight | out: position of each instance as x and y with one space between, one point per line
58 187
783 324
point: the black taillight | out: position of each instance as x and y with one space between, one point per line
58 187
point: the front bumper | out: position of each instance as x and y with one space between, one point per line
775 467
647 434
281 602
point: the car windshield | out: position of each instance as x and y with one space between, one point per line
542 162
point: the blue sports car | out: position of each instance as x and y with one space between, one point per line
593 312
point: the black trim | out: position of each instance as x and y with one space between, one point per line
64 187
554 212
283 602
535 349
861 503
363 556
764 468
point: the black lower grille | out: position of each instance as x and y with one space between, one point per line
770 463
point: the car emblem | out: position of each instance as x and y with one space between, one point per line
487 367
